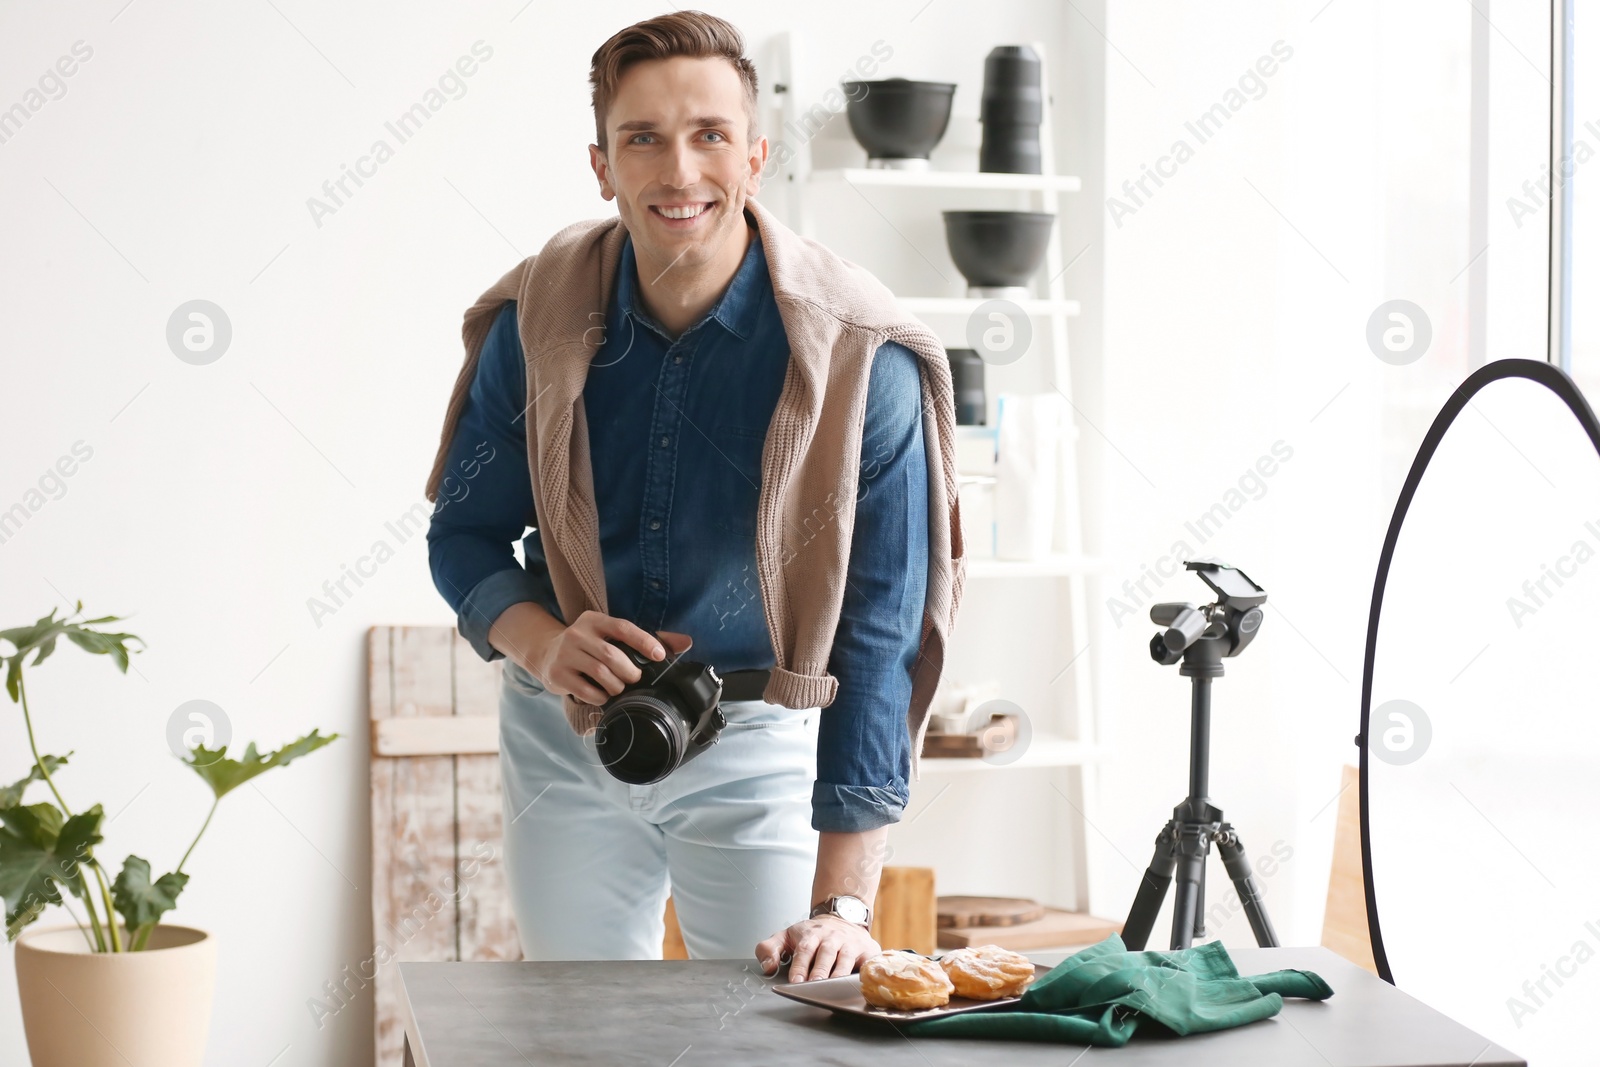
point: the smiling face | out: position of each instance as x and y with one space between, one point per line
679 163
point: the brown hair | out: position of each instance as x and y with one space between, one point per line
679 33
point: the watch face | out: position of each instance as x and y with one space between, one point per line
851 908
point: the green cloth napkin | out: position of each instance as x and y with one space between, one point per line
1100 995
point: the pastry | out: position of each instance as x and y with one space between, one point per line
904 980
987 972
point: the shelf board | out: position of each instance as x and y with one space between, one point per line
1045 750
966 305
949 179
1054 565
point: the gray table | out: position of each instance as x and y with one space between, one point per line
686 1013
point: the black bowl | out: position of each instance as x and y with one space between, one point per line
896 118
998 248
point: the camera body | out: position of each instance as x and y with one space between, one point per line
657 724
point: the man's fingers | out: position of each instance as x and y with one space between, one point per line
773 953
803 951
575 683
602 654
676 643
631 634
600 672
822 963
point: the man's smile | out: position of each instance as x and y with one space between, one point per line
681 216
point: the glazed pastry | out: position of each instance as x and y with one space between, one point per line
904 980
987 972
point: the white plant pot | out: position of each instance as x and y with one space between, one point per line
123 1009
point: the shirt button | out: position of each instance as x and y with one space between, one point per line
664 440
677 359
655 524
655 583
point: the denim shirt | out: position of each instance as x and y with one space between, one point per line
676 431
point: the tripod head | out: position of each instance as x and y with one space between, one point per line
1227 626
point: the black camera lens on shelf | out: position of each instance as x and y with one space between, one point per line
966 377
1011 110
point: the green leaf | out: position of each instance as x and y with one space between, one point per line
11 795
41 638
224 775
140 901
39 848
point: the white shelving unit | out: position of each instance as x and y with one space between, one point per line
789 101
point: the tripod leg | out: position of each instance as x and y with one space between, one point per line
1152 890
1193 844
1244 883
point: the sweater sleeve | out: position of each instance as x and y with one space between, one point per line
863 746
485 501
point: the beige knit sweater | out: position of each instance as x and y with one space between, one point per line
835 315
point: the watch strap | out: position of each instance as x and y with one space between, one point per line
827 907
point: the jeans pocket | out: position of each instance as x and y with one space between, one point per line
521 679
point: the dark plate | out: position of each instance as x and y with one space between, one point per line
843 995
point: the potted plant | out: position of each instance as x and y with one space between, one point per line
122 987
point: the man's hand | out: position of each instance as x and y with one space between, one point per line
824 947
578 659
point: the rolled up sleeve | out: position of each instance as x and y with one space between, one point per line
863 744
485 501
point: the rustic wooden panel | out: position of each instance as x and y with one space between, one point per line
905 913
486 929
1344 920
457 735
413 824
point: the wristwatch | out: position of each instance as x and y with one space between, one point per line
850 909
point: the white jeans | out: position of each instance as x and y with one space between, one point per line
590 859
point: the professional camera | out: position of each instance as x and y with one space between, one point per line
666 718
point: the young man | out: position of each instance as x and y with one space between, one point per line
718 434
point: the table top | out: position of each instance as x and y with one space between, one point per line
682 1013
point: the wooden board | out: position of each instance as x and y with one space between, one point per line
413 821
903 913
1344 919
437 736
987 911
998 736
1057 927
672 947
485 927
438 878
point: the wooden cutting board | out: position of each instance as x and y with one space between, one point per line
957 912
1056 927
997 737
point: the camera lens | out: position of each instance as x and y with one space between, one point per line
640 743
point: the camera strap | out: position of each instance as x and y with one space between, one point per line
745 685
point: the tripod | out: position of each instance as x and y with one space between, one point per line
1184 844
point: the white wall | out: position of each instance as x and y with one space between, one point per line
1236 304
